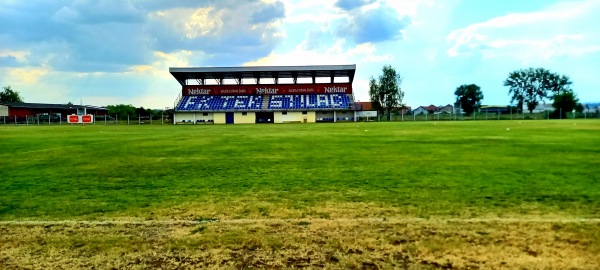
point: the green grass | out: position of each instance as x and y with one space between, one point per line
420 169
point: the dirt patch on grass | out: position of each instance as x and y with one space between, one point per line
318 243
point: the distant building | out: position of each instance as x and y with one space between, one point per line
591 107
420 110
541 108
365 110
425 109
494 109
445 109
23 110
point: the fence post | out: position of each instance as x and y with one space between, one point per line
16 121
128 119
162 122
414 117
139 119
117 118
150 119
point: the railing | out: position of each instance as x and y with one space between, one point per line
177 100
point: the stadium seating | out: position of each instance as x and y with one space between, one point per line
313 101
275 102
220 103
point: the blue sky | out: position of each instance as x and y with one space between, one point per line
119 51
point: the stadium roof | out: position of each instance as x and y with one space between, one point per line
260 72
50 106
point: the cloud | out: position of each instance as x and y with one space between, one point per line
9 61
563 29
336 54
376 24
269 13
94 12
313 39
112 35
229 35
352 4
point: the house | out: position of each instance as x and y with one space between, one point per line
403 110
445 109
420 110
363 106
591 107
425 109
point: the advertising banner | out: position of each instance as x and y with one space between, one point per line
267 89
80 119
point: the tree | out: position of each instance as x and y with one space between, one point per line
469 97
9 95
386 93
122 111
532 85
565 102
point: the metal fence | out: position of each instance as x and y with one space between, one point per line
40 120
482 116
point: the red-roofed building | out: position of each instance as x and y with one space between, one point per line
364 106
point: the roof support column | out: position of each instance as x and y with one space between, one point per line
256 77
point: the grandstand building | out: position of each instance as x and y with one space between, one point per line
268 94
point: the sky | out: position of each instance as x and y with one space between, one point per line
119 51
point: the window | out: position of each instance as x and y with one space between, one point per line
244 113
304 112
205 114
283 113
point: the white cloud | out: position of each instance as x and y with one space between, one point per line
563 29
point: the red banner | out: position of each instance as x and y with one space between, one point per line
268 89
78 119
86 118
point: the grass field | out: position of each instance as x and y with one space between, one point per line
423 195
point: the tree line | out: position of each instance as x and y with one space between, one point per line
123 111
527 87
